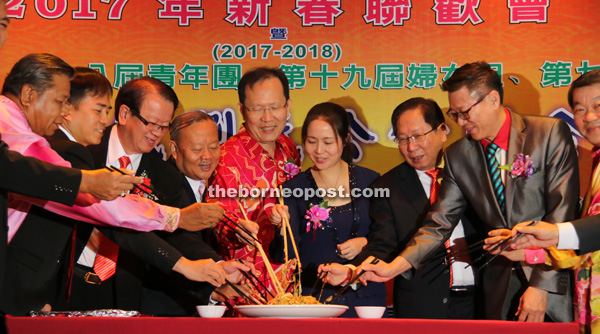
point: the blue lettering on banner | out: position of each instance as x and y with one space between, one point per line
226 123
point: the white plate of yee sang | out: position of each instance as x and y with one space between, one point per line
291 311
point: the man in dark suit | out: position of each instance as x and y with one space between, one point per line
144 108
550 193
195 151
420 134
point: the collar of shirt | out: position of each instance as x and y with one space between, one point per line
67 133
195 184
115 151
502 137
426 179
254 147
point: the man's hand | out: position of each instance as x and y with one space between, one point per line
107 185
234 270
542 235
497 237
351 248
249 226
226 292
532 306
277 214
382 271
199 216
201 271
337 274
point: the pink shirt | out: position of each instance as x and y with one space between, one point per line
132 212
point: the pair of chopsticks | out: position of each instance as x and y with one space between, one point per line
287 228
460 253
266 261
153 194
247 298
249 275
505 244
320 277
233 225
343 290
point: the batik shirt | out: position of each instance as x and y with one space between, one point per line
246 164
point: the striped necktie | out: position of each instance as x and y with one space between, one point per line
105 264
495 177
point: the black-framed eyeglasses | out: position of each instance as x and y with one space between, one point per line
464 115
419 137
150 125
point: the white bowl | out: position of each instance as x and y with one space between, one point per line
370 312
211 311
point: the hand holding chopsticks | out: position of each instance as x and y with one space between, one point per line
243 233
345 288
503 246
153 195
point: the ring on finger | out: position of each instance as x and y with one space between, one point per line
123 193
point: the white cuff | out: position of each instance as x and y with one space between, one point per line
567 236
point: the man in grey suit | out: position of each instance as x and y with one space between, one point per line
475 98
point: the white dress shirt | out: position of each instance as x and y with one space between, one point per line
460 275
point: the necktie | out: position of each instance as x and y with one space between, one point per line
201 189
124 161
495 177
71 264
105 264
435 184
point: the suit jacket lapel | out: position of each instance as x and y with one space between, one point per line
478 162
515 146
100 151
409 184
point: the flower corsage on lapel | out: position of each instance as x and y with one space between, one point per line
316 214
291 169
522 167
147 186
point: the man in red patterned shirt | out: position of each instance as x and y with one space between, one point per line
255 158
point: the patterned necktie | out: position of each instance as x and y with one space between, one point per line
435 184
494 170
201 189
105 264
124 161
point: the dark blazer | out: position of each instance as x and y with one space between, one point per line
31 177
588 231
38 248
395 220
168 181
551 194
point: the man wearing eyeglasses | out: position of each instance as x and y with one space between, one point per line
472 180
144 108
439 290
255 157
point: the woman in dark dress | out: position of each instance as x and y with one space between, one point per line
328 223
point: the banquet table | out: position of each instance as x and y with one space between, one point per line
151 325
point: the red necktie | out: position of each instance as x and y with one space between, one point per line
71 263
105 264
435 184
